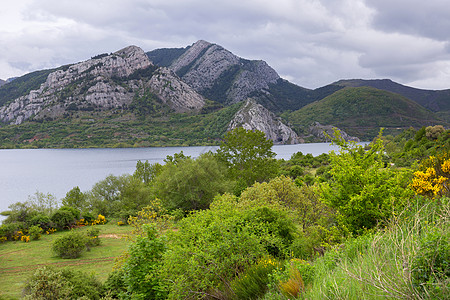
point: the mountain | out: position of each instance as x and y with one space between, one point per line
434 100
2 82
102 83
192 96
362 111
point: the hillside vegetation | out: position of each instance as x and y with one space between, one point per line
362 111
239 224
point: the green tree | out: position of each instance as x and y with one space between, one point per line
141 269
249 157
191 184
146 172
363 190
75 198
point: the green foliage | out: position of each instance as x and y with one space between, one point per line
63 219
9 230
47 284
50 284
362 189
212 246
75 198
115 284
93 238
431 263
146 172
249 157
189 184
253 282
35 232
141 270
42 221
362 111
70 245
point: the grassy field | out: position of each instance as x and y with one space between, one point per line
18 260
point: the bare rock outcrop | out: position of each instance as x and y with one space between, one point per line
324 132
103 82
205 66
174 92
253 116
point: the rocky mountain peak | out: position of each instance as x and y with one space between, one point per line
253 116
209 67
103 82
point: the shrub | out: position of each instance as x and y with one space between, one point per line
252 284
75 212
9 231
70 245
92 237
63 219
42 221
35 232
47 283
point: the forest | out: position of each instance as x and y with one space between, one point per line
359 223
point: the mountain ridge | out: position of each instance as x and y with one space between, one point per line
191 88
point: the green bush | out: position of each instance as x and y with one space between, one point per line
252 284
42 221
75 212
9 230
92 237
35 232
115 284
70 245
50 284
63 219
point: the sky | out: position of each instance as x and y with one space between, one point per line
311 43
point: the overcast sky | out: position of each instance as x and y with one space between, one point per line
309 42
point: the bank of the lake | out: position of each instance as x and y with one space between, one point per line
56 171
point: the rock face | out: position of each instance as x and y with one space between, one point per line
253 116
174 92
323 132
103 82
208 67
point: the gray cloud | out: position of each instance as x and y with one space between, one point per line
311 43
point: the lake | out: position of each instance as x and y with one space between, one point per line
56 171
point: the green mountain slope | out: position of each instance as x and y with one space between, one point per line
362 111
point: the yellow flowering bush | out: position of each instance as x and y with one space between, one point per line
50 231
25 238
432 178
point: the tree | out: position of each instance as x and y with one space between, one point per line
191 184
146 172
249 157
75 198
363 190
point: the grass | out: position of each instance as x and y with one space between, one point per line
18 260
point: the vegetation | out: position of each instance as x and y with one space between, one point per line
362 111
348 225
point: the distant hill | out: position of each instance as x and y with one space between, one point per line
362 111
434 100
2 82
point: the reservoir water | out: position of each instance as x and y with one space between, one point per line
56 171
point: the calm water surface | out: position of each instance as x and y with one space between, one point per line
56 171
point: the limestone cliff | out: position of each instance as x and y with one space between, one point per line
253 116
210 68
103 82
324 132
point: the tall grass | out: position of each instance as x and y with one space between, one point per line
388 263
